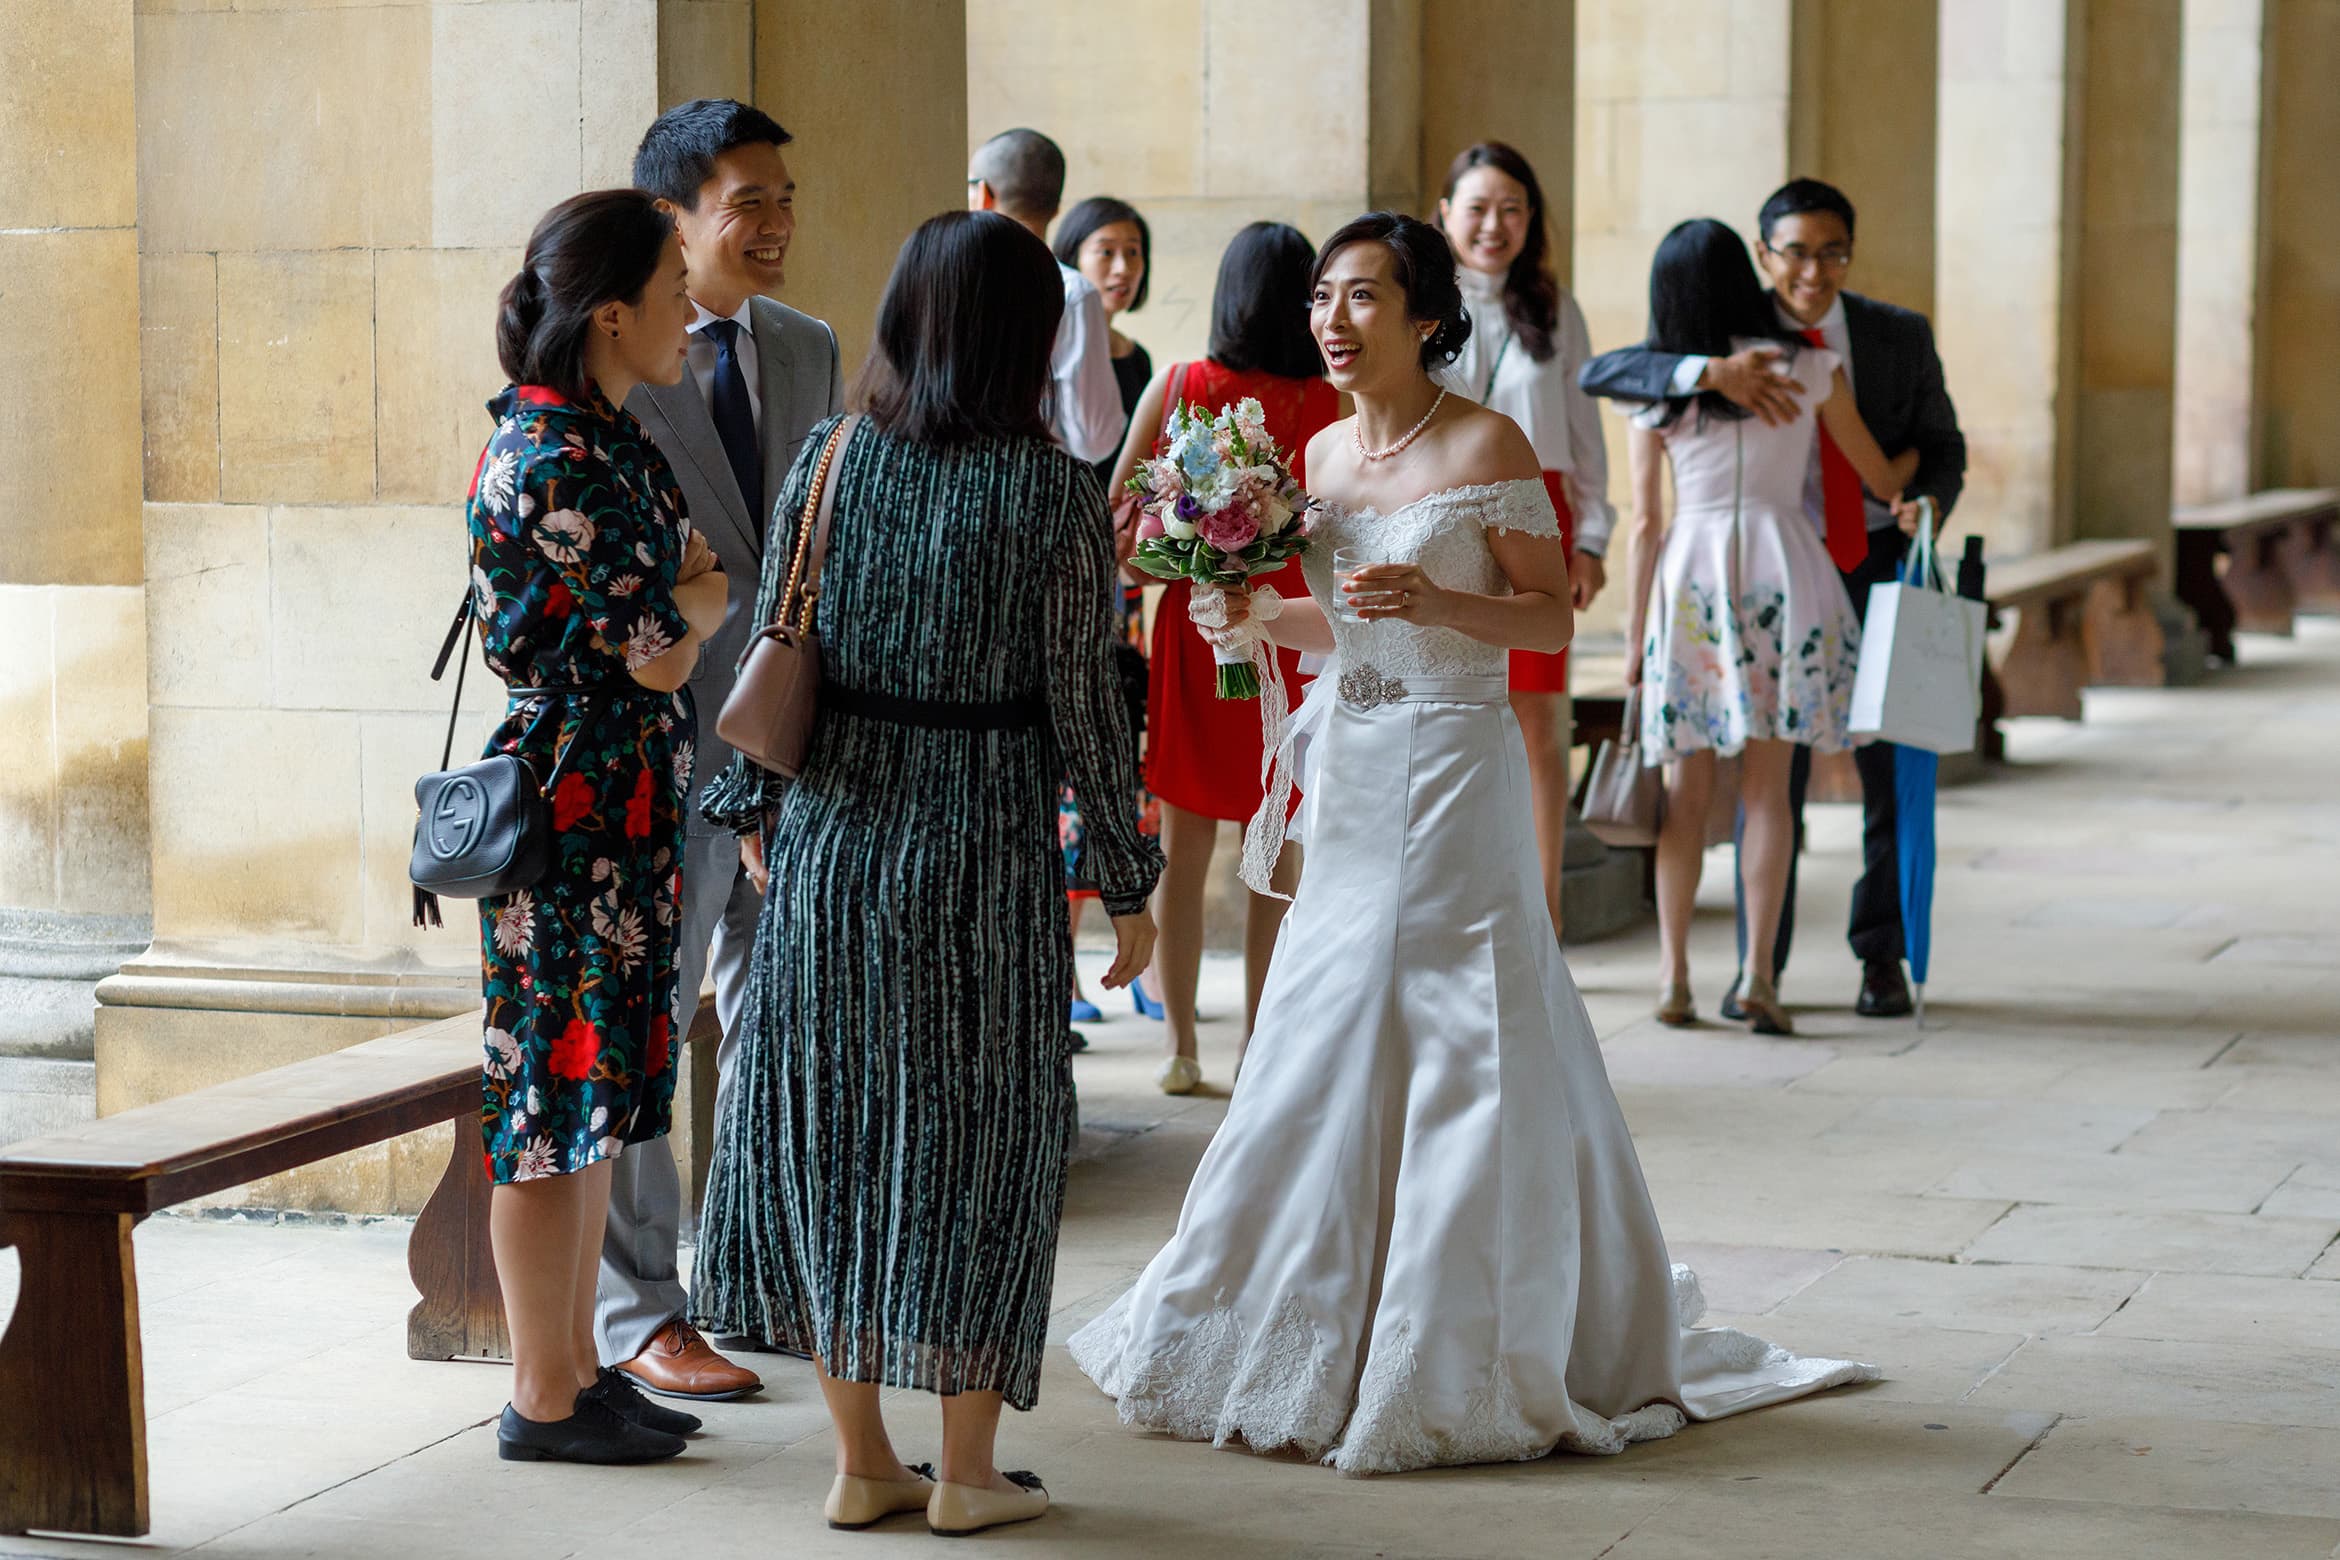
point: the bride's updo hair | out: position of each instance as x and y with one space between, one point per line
1422 263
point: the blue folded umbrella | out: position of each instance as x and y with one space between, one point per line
1915 776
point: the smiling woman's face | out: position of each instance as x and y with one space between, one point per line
1486 219
1358 316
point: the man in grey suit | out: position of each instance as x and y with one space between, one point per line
761 374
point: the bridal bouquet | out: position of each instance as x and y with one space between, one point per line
1220 505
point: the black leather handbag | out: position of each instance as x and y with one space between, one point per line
486 828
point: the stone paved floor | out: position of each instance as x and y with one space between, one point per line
2085 1221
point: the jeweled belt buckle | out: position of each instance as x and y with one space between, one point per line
1369 688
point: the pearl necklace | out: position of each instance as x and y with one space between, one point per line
1357 432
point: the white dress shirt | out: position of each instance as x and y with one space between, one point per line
1084 399
1560 420
702 359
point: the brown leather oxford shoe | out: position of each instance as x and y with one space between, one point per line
679 1364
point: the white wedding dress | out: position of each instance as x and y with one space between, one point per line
1421 1235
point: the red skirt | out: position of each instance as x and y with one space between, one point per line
1202 751
1532 671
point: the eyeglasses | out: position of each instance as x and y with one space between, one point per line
1834 257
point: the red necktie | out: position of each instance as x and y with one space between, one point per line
1841 505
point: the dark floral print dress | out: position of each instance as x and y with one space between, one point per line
577 533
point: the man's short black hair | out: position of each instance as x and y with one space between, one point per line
678 151
1799 197
1025 170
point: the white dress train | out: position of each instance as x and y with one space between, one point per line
1422 1236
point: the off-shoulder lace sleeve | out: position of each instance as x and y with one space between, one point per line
1523 506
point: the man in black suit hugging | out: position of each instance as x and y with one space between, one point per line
1888 354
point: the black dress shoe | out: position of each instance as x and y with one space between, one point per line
617 1389
1730 1004
1884 994
594 1432
749 1343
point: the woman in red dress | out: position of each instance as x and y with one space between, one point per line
1203 752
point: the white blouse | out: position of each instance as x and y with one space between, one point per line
1560 420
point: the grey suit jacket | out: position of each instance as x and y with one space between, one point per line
801 384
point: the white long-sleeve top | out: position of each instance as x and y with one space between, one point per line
1084 399
1560 420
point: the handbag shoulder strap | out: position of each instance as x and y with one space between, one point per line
825 509
460 629
1170 402
812 535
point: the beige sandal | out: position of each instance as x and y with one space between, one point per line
1676 1008
1765 1016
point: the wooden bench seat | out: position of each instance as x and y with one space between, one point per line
2252 563
73 1417
2082 617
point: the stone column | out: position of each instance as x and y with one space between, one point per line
876 93
2220 246
319 271
1863 116
73 871
2299 298
2059 262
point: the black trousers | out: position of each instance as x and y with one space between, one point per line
1875 929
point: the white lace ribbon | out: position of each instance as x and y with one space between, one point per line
1263 837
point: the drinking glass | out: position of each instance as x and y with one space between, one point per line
1347 561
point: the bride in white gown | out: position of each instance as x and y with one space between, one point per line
1421 1235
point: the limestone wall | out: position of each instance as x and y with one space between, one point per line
72 632
2219 179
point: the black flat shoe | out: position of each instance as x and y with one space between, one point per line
1884 993
593 1433
617 1389
1730 1004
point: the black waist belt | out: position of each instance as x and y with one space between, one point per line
934 714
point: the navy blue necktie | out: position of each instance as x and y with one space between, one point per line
735 418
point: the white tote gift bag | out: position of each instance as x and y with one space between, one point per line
1919 683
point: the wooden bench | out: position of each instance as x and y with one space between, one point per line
2082 617
2280 552
72 1386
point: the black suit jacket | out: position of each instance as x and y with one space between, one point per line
1897 384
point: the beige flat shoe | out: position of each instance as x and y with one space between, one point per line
1764 1014
1676 1008
958 1510
855 1504
1179 1075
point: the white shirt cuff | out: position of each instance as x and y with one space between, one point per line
1687 374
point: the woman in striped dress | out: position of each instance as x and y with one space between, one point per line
889 1174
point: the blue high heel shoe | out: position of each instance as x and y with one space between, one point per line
1146 1006
1084 1012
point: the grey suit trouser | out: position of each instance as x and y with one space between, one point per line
641 1289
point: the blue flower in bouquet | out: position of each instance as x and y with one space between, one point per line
1197 453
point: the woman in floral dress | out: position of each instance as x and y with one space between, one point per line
1748 641
593 596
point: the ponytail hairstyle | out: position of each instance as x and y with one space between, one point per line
600 247
1422 263
1531 293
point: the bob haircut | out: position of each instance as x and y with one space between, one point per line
965 333
1259 309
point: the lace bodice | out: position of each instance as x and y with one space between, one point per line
1446 533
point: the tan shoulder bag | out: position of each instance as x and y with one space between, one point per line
769 716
